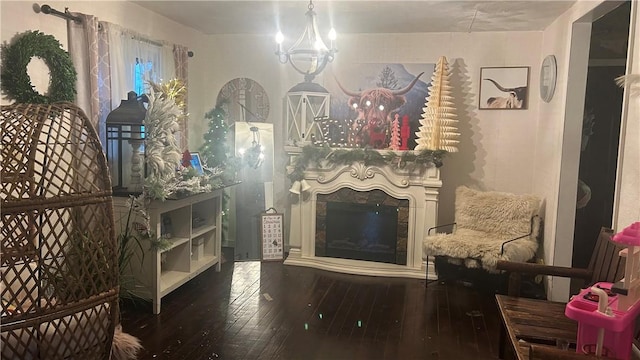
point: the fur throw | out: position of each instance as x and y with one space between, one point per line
484 220
124 346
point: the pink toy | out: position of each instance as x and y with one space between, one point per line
629 287
606 312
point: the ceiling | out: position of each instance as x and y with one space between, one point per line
358 16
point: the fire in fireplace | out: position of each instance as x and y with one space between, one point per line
361 231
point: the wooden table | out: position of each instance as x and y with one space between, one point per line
528 321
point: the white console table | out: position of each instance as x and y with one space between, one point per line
194 224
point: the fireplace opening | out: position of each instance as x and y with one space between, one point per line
361 231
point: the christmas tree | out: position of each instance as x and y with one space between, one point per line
439 130
387 79
214 150
395 133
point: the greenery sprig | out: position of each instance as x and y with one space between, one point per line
15 81
319 155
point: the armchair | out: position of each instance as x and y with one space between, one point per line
489 227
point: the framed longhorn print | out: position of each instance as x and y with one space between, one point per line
504 88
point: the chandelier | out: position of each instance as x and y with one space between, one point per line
309 54
254 156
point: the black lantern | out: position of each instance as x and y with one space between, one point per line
125 145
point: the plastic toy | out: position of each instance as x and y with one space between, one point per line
606 312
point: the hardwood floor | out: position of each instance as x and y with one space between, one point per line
254 310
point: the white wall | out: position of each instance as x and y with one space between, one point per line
497 147
560 131
18 16
627 207
557 247
497 150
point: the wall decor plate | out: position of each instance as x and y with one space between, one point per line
244 99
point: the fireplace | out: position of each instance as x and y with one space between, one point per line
362 225
354 191
361 232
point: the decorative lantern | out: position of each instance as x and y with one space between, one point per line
305 103
125 145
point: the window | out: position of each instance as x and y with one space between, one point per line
142 70
129 62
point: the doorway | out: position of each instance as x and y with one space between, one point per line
600 130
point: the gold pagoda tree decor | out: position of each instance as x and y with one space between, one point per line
438 130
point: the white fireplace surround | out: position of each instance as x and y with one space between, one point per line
421 188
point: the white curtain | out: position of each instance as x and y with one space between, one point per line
181 58
105 56
83 49
129 53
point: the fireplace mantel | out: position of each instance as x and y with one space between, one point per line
420 187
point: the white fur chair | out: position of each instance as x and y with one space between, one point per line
489 226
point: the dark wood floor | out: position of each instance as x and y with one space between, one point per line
254 310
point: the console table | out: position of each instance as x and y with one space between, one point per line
193 227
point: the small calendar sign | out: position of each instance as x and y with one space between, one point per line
271 226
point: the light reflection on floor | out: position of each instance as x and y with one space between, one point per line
245 285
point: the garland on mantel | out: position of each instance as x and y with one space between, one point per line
320 155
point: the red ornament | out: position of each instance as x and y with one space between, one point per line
405 133
186 159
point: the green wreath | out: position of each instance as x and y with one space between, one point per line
15 81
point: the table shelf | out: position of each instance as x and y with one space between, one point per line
161 272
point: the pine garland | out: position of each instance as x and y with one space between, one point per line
315 155
15 81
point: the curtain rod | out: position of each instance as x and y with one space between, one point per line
46 9
136 36
148 41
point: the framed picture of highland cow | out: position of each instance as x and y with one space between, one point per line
367 98
504 88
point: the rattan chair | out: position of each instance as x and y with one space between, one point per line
59 265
